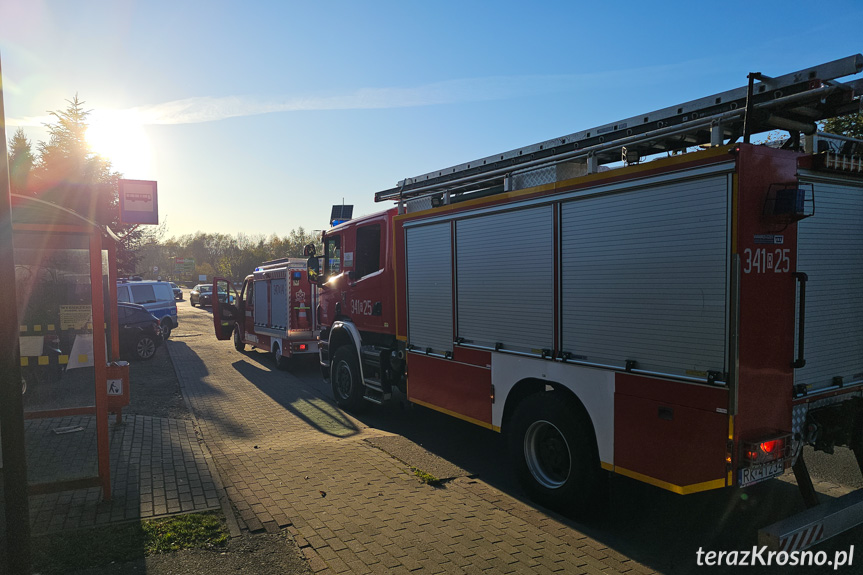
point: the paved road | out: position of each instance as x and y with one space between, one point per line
289 457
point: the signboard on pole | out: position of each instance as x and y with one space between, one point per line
138 202
184 266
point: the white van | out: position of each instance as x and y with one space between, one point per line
157 297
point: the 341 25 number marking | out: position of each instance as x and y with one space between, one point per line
763 260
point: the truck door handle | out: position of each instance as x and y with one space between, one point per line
801 319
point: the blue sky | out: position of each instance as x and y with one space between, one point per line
256 117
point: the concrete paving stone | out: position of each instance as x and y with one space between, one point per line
326 553
316 540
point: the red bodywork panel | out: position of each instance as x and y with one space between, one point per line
458 388
767 295
670 431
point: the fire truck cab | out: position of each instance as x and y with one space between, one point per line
359 312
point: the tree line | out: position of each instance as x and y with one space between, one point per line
217 254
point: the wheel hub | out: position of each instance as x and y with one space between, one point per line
547 454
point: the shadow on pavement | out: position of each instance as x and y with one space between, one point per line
287 391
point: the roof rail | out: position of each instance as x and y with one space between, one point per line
793 102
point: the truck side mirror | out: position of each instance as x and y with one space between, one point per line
313 269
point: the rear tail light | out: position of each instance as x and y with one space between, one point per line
766 449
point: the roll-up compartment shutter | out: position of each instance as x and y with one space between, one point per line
505 280
830 252
279 303
429 279
644 277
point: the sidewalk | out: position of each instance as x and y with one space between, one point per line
157 468
288 458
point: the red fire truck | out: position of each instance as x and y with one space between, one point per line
272 311
658 297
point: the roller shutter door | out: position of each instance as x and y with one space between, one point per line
505 280
429 279
644 277
830 252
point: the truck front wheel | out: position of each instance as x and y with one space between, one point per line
345 379
238 341
553 447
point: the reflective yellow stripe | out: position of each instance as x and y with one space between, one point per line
458 415
680 489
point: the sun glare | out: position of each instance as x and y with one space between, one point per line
120 138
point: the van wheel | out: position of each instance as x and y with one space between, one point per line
238 341
167 326
553 447
345 379
282 362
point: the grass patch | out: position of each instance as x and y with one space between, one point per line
426 478
63 552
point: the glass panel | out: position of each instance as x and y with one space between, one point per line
52 282
142 294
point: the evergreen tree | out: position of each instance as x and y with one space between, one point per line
67 173
20 162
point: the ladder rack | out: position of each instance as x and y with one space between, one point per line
792 102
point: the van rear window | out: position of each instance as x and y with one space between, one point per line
143 294
164 292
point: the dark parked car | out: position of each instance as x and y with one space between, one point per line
178 291
140 334
202 294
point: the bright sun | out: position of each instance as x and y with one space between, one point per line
120 137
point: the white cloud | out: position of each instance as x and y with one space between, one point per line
211 109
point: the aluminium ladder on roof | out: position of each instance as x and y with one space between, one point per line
792 102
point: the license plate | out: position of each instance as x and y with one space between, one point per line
756 473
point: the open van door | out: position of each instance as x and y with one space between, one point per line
226 313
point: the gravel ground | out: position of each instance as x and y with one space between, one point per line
261 554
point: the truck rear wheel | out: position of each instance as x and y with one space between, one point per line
553 448
282 362
345 379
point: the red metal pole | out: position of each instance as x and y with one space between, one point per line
100 363
114 322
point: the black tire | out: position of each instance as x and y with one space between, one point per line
345 379
238 341
166 326
282 362
145 347
553 448
191 303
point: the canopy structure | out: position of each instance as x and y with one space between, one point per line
65 283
